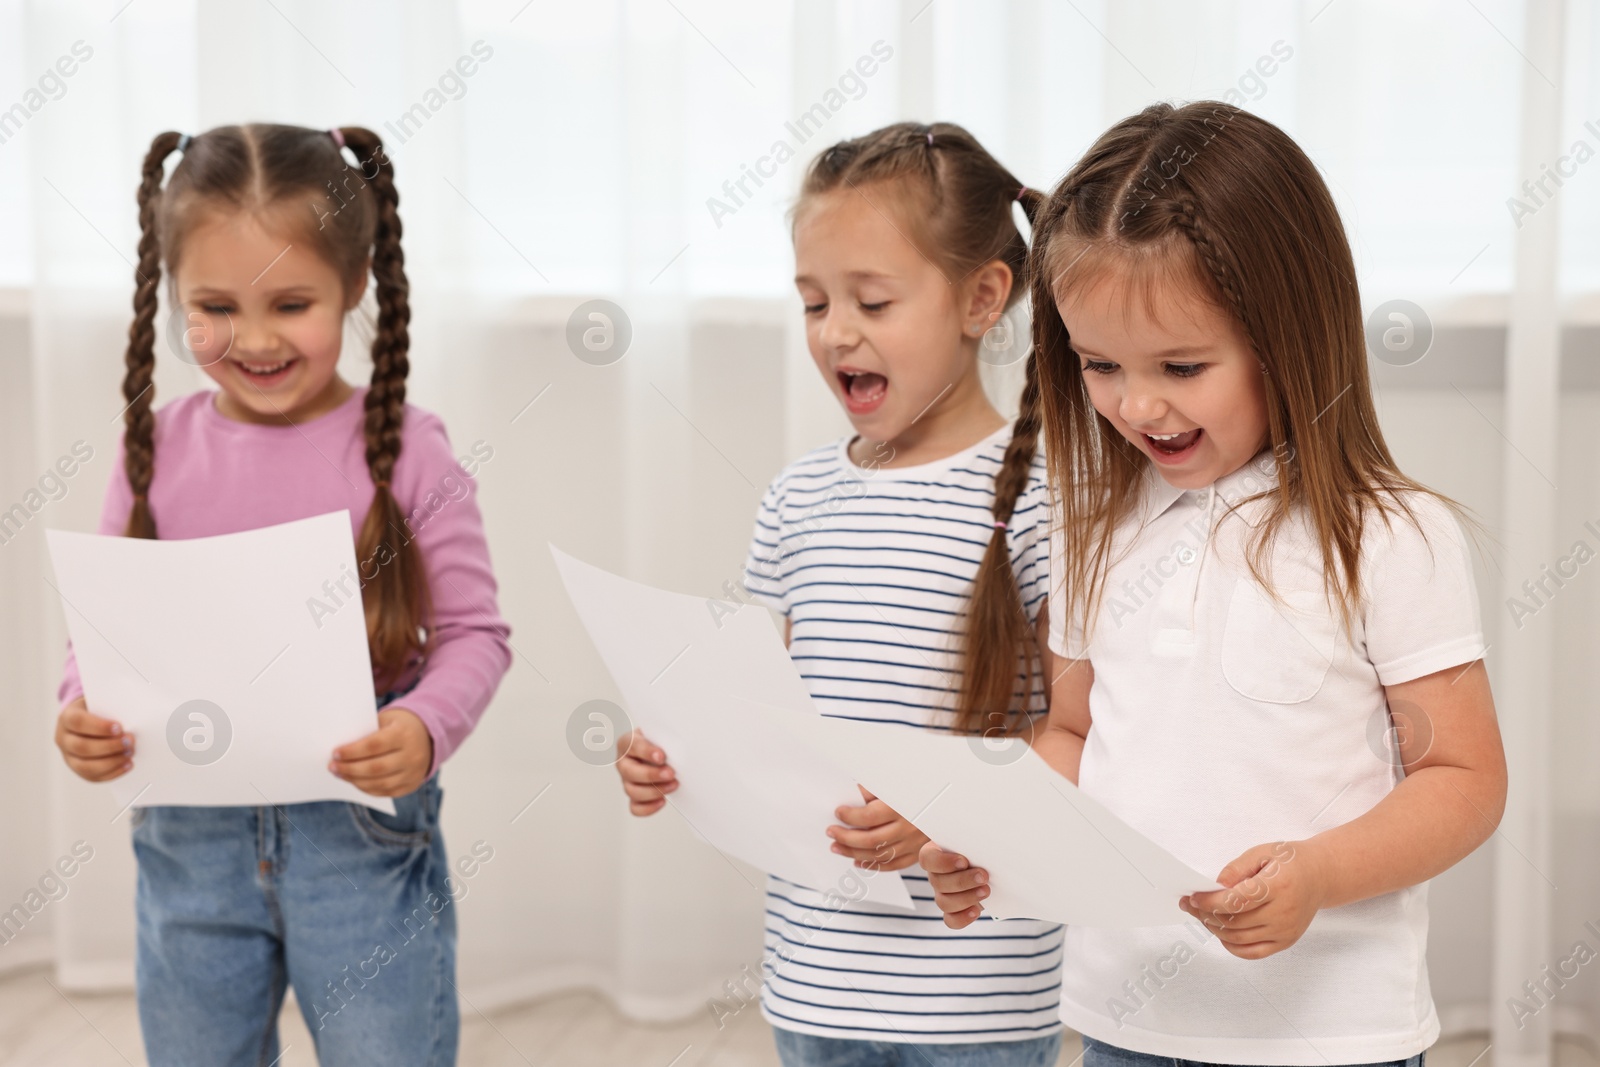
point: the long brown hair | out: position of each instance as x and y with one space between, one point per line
956 200
1212 198
351 219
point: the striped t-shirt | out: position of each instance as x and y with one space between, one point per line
872 565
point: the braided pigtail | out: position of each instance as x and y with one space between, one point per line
138 383
998 631
397 604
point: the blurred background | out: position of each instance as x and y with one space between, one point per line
595 153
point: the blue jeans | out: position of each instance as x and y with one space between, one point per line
804 1050
1100 1054
346 904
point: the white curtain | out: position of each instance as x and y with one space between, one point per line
597 151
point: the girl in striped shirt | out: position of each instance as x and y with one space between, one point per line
910 561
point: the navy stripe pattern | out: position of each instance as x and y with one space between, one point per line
872 566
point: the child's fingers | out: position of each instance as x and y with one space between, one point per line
887 860
962 920
883 858
391 785
645 791
955 916
84 747
635 745
866 839
898 854
959 881
860 854
936 860
957 890
642 772
380 742
99 770
866 816
78 719
1242 922
1242 935
957 902
370 770
1226 902
646 775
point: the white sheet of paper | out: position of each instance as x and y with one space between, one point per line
1051 852
207 650
687 675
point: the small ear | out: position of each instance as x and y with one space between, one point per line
989 289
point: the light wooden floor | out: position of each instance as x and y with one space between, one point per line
42 1027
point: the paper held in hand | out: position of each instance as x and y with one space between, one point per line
210 653
686 674
1050 851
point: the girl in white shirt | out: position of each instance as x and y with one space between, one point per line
1270 636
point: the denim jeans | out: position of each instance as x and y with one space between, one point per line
1100 1054
345 904
803 1050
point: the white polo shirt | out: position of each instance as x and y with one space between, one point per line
1222 721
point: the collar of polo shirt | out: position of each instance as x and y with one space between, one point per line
1256 476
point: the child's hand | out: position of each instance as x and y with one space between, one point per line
646 775
957 885
96 749
875 835
1271 894
391 761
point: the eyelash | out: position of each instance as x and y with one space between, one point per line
815 309
218 309
1178 370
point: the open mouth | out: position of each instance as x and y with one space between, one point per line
1173 447
261 374
864 390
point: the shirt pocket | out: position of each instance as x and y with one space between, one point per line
1277 653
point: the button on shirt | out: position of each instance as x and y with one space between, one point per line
1223 720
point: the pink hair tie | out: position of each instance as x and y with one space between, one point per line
338 136
1020 190
998 525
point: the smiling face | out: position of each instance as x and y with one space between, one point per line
1173 373
893 339
264 317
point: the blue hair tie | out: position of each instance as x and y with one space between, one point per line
183 142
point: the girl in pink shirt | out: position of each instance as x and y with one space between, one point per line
268 233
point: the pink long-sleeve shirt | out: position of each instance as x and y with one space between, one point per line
215 475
